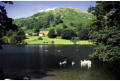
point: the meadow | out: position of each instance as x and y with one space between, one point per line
57 40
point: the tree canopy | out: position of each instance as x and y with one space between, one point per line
105 31
6 25
51 33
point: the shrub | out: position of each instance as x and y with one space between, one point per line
5 39
59 31
83 34
51 34
40 38
52 42
68 34
64 26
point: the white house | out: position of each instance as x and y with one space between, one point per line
41 34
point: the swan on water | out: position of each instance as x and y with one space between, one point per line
86 63
73 63
63 63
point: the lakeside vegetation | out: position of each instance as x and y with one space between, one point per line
58 40
9 32
100 25
63 28
105 31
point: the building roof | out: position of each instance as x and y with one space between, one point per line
44 32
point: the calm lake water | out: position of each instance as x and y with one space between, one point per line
42 62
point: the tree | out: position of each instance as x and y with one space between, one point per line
14 37
64 26
105 31
83 34
68 34
5 22
57 19
20 36
51 33
37 31
79 28
59 31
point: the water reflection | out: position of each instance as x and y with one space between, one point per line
86 63
1 74
36 61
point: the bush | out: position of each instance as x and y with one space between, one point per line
64 26
59 31
51 34
40 38
68 34
15 37
52 42
5 39
83 34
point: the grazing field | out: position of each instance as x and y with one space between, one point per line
58 40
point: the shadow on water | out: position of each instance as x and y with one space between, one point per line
1 74
39 61
0 47
24 62
105 71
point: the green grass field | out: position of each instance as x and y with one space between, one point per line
58 40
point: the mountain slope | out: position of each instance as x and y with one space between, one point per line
57 18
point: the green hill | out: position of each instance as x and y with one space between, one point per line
57 18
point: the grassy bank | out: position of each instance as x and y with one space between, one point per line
58 40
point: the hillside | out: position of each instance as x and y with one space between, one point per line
57 18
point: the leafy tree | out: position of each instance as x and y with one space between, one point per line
68 34
20 35
57 20
79 28
5 22
59 31
51 33
105 31
64 26
83 34
15 37
37 31
5 39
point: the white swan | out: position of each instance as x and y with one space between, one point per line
73 63
63 63
86 63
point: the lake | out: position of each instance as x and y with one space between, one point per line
43 62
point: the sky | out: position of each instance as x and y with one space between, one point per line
27 8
